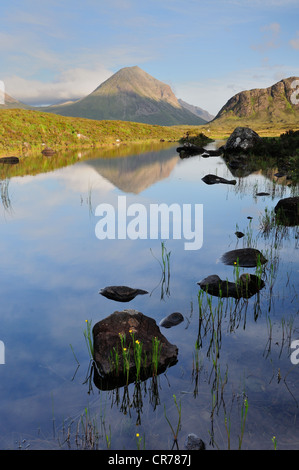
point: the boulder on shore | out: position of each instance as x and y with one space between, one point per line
121 330
243 138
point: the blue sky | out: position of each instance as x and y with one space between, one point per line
206 50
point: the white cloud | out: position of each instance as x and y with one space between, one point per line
295 42
71 84
270 38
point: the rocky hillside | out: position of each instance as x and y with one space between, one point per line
278 104
131 95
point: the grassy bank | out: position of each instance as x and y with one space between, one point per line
22 130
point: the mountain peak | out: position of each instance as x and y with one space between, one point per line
136 81
131 94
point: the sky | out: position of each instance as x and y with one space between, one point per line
206 50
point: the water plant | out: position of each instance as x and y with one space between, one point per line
175 431
88 337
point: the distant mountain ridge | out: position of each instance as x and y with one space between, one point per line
278 103
202 113
131 94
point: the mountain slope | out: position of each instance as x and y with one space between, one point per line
12 103
202 113
131 95
276 105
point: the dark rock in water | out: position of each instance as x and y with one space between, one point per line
131 325
171 320
287 211
239 234
189 150
9 160
193 442
214 179
121 293
262 194
48 152
245 257
243 138
246 286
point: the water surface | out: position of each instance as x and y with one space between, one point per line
53 267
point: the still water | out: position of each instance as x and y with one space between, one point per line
53 266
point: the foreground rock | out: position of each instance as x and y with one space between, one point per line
193 442
214 179
245 257
121 293
172 320
242 139
190 150
287 211
245 287
130 325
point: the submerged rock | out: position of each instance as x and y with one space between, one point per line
214 179
131 325
287 211
245 287
172 320
121 293
245 257
193 442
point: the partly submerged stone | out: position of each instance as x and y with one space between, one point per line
245 287
121 293
172 320
121 330
193 442
245 257
287 211
214 179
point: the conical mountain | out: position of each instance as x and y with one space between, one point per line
7 102
131 94
277 104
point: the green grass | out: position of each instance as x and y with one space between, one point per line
22 130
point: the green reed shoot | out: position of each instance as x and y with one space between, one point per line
88 337
125 355
244 411
156 351
137 349
175 432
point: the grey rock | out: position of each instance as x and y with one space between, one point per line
172 320
193 442
214 179
121 293
287 211
245 257
243 138
132 325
